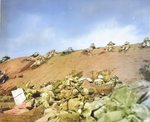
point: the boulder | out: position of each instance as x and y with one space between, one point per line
19 109
69 117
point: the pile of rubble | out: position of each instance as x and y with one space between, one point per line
67 98
39 59
123 104
73 99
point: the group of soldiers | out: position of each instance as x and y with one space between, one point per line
39 59
110 46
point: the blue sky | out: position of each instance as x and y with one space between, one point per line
29 26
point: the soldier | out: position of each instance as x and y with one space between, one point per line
146 43
92 46
3 77
110 46
125 47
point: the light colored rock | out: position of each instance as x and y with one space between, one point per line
69 117
73 105
87 110
98 81
100 77
86 91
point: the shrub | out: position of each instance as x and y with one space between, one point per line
66 52
5 58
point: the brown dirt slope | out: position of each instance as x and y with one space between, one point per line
125 65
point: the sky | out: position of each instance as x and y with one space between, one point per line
28 26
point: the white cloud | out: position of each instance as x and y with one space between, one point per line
49 39
102 34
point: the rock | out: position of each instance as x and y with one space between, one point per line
65 93
73 105
86 91
75 92
29 105
20 75
7 90
98 81
19 109
65 106
69 117
97 104
43 119
30 116
87 110
100 77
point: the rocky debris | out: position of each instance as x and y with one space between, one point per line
5 98
20 75
69 116
7 90
146 42
45 84
3 76
110 46
68 96
125 47
123 104
106 78
4 105
30 116
40 59
51 114
19 109
88 79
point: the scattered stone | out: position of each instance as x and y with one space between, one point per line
30 116
69 117
20 75
19 109
7 90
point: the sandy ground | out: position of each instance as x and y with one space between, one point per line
125 65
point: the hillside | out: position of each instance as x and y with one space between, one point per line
125 65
